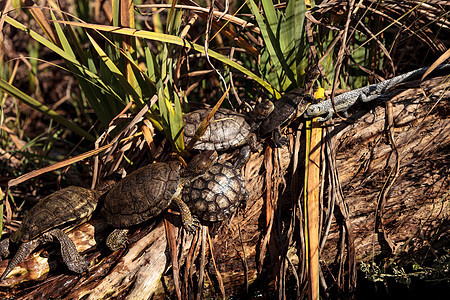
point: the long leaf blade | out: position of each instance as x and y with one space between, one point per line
18 94
161 37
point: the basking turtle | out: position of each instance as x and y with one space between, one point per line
216 195
148 191
226 130
270 117
292 104
44 222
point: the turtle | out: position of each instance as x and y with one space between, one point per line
226 130
292 104
268 117
147 192
216 195
45 221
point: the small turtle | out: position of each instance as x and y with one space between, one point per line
226 130
148 191
292 104
268 117
44 222
216 195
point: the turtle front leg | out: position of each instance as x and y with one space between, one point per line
243 157
24 250
73 260
278 139
189 223
253 145
117 239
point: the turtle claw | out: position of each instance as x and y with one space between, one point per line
22 253
73 260
190 222
192 226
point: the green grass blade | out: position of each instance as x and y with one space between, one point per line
115 71
176 41
165 110
270 15
294 34
275 63
103 114
116 12
83 70
92 84
177 125
18 94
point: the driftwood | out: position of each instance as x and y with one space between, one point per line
395 222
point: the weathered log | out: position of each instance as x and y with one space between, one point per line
415 207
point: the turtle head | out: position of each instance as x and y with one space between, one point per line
262 110
199 164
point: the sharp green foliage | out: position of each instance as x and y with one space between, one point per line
432 271
177 130
284 56
93 92
33 53
171 115
171 118
350 76
294 37
84 10
119 67
363 57
93 85
165 38
4 73
145 79
152 71
174 20
362 53
117 74
329 62
116 12
167 114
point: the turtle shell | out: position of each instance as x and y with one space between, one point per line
284 109
73 204
216 195
226 130
143 194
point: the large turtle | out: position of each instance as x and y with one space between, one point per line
216 195
148 191
226 130
44 222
